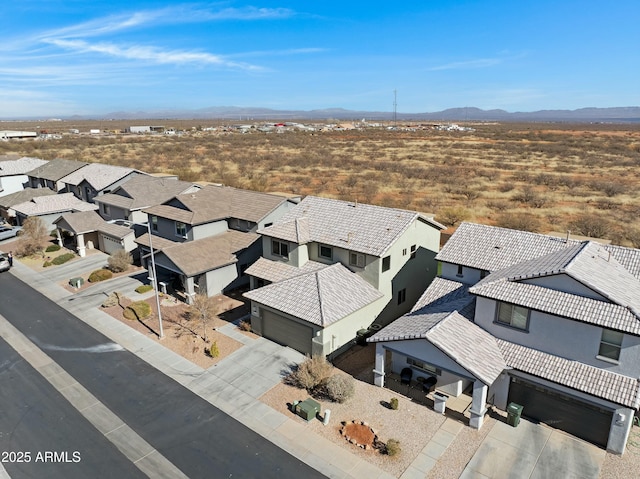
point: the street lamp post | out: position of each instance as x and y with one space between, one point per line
155 279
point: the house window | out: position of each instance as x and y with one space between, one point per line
87 192
266 225
402 295
428 368
279 248
181 229
460 269
154 223
404 251
325 251
413 252
512 315
106 209
386 263
610 344
356 259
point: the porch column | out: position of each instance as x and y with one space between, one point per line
59 237
81 246
378 372
189 290
478 404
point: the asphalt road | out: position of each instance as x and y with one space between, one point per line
42 435
195 436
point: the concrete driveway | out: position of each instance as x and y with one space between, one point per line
533 451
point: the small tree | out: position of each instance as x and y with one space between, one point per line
203 310
119 261
34 235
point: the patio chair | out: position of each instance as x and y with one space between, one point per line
405 376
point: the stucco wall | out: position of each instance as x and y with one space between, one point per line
206 230
562 337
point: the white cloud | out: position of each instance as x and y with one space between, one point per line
467 65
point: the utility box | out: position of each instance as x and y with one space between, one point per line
307 409
439 402
514 411
76 282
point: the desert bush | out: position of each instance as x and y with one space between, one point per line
46 264
245 325
633 235
100 275
213 351
143 288
119 261
137 310
392 447
591 225
340 388
519 221
452 215
311 373
51 248
63 258
393 404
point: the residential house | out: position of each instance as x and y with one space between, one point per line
49 208
8 202
96 179
552 324
128 200
90 231
13 173
50 174
332 268
204 240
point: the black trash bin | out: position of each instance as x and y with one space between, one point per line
514 411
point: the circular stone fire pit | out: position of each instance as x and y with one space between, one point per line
359 433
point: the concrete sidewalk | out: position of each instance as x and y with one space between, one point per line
234 385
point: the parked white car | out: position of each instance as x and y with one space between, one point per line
7 231
4 263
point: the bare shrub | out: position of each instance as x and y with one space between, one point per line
119 261
453 215
203 310
340 388
591 225
519 221
311 373
34 235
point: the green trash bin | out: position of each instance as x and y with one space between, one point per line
514 411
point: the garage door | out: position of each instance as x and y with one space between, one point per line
578 418
286 332
110 244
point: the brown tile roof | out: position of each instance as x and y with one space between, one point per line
56 169
97 175
88 221
7 201
199 256
143 191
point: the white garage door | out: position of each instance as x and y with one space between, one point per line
284 331
110 244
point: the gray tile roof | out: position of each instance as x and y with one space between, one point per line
319 297
43 205
219 202
56 169
491 248
7 201
143 191
442 298
587 263
98 175
159 243
274 271
20 166
579 376
359 227
558 303
470 346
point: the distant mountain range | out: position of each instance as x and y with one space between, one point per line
612 115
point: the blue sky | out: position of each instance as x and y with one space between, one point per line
64 57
